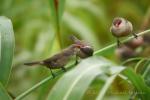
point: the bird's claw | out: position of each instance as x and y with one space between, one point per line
118 43
64 69
53 75
135 36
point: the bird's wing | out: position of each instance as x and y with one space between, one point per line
54 58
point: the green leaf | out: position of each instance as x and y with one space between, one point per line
3 94
115 71
138 82
138 65
53 12
146 71
74 84
61 8
131 60
105 87
7 49
97 11
57 8
81 28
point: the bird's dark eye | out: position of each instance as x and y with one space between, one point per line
87 50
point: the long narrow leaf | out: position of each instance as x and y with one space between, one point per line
142 89
105 87
80 28
115 71
7 49
53 12
71 83
56 8
146 75
3 94
61 8
74 84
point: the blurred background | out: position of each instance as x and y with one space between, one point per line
89 20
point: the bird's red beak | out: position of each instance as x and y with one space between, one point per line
117 23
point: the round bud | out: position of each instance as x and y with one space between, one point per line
121 27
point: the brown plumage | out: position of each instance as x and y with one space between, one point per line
86 49
59 60
123 52
135 43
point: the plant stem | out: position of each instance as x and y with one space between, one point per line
69 67
58 30
60 72
57 3
132 59
138 64
146 71
33 88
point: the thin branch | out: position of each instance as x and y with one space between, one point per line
131 60
22 95
138 64
60 72
146 71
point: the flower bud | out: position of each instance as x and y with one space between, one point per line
121 27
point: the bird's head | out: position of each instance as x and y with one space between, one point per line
121 27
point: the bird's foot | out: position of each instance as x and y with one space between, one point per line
76 62
64 69
135 36
118 43
53 75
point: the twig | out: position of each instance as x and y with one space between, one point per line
60 72
138 64
132 59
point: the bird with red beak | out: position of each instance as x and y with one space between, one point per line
120 28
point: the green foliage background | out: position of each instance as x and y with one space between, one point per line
88 19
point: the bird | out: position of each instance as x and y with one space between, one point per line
60 59
135 43
124 52
86 49
121 27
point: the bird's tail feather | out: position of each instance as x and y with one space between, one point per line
32 63
74 39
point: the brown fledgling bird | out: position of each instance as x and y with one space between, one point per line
135 43
85 50
59 60
124 52
121 27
